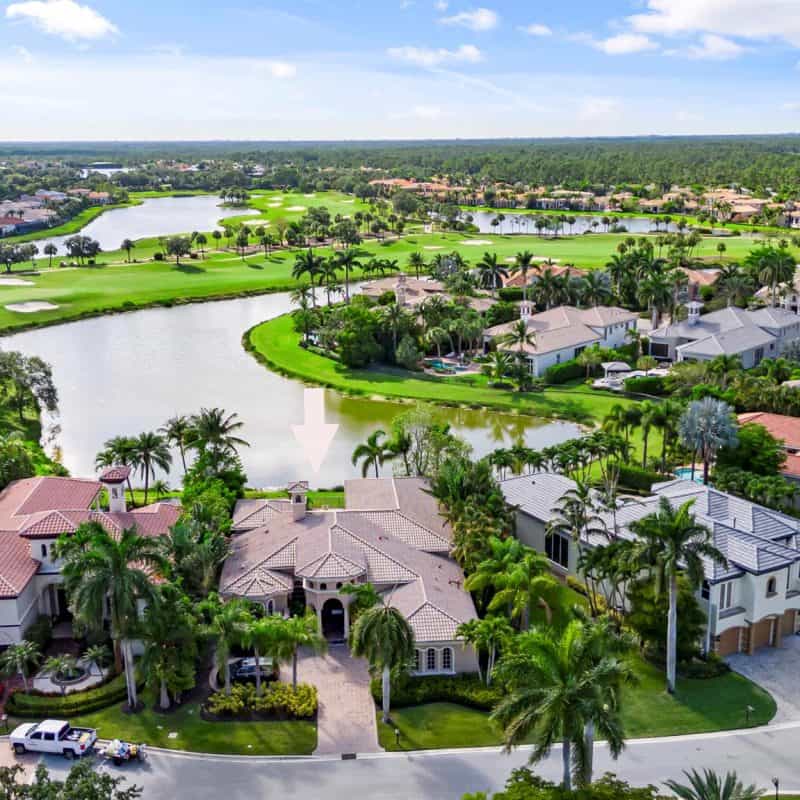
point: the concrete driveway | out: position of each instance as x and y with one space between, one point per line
775 669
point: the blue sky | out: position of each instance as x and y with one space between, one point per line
308 69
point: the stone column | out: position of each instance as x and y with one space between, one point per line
346 607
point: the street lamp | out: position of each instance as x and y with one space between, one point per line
776 783
397 740
748 710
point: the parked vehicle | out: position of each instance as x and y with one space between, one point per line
119 752
53 736
245 669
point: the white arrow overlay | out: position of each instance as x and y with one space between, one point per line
314 435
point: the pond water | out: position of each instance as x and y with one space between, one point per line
160 216
124 374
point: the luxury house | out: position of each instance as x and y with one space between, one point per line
390 534
750 335
411 293
34 512
562 333
752 601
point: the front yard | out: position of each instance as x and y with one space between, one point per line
699 706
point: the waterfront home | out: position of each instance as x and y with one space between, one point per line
750 335
34 512
787 295
562 333
410 293
750 602
390 534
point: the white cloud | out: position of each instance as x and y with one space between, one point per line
625 43
427 112
281 69
429 57
749 19
64 18
592 109
441 6
537 29
481 19
716 48
23 53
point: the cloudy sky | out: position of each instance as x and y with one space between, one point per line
395 69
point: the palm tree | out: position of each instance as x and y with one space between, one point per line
372 453
596 288
590 358
151 451
519 336
50 250
671 542
383 636
265 636
310 264
214 430
656 291
177 431
417 262
395 317
649 415
710 786
17 659
62 665
227 626
499 365
486 635
113 574
522 263
491 272
201 240
707 426
303 632
127 245
557 686
98 654
348 260
119 451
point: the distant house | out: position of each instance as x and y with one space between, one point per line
390 534
696 279
562 333
99 198
411 293
751 602
788 295
785 429
750 335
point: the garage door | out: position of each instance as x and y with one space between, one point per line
728 642
760 634
788 624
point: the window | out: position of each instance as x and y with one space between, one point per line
772 587
417 661
49 737
726 596
44 551
430 660
323 586
705 590
447 659
339 585
557 548
270 606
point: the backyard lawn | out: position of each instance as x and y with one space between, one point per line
699 706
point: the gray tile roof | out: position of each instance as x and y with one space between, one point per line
537 495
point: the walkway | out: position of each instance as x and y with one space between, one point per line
346 719
776 670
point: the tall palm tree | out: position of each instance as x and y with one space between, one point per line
308 264
522 263
417 262
596 288
348 260
656 291
127 245
177 431
670 542
491 272
151 451
647 421
706 427
383 636
710 786
303 632
519 336
50 250
112 573
557 685
213 429
373 453
226 626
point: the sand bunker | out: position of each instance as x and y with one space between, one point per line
510 260
476 242
15 282
545 258
296 208
348 202
274 205
309 195
31 306
433 247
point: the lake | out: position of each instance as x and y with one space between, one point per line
160 216
124 374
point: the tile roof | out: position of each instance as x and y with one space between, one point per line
115 474
537 495
782 427
16 565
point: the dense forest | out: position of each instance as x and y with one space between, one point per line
753 161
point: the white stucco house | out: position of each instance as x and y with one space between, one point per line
562 333
751 602
34 512
389 534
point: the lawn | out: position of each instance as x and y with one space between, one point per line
197 735
277 345
698 706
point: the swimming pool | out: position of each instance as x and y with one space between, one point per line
437 363
685 474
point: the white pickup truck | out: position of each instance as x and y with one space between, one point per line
53 736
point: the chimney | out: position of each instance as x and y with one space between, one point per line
400 290
298 496
525 310
694 312
113 480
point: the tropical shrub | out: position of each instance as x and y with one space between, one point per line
711 667
466 690
633 477
561 373
40 632
278 701
407 354
647 384
510 294
501 312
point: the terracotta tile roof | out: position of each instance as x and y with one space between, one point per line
115 475
16 565
782 427
792 465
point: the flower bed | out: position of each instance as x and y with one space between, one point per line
278 701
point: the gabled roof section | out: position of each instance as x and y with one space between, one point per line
256 583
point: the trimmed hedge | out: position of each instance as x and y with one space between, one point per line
465 690
646 384
632 477
41 704
511 294
561 373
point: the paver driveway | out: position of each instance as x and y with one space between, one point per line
346 719
776 670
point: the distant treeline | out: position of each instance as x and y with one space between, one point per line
756 162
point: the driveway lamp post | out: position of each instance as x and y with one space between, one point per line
748 710
777 784
397 737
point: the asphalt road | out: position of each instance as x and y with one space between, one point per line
757 756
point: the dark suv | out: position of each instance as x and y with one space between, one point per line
245 669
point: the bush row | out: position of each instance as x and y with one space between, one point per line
278 701
41 704
561 373
466 690
647 384
632 477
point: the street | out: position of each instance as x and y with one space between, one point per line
757 756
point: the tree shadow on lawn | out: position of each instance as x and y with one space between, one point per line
254 266
189 269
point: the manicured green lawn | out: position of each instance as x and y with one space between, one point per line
197 735
699 706
277 344
317 499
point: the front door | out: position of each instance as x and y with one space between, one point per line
333 620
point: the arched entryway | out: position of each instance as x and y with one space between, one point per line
333 620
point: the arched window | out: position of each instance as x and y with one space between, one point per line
270 606
447 659
772 587
44 551
417 661
323 586
430 660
